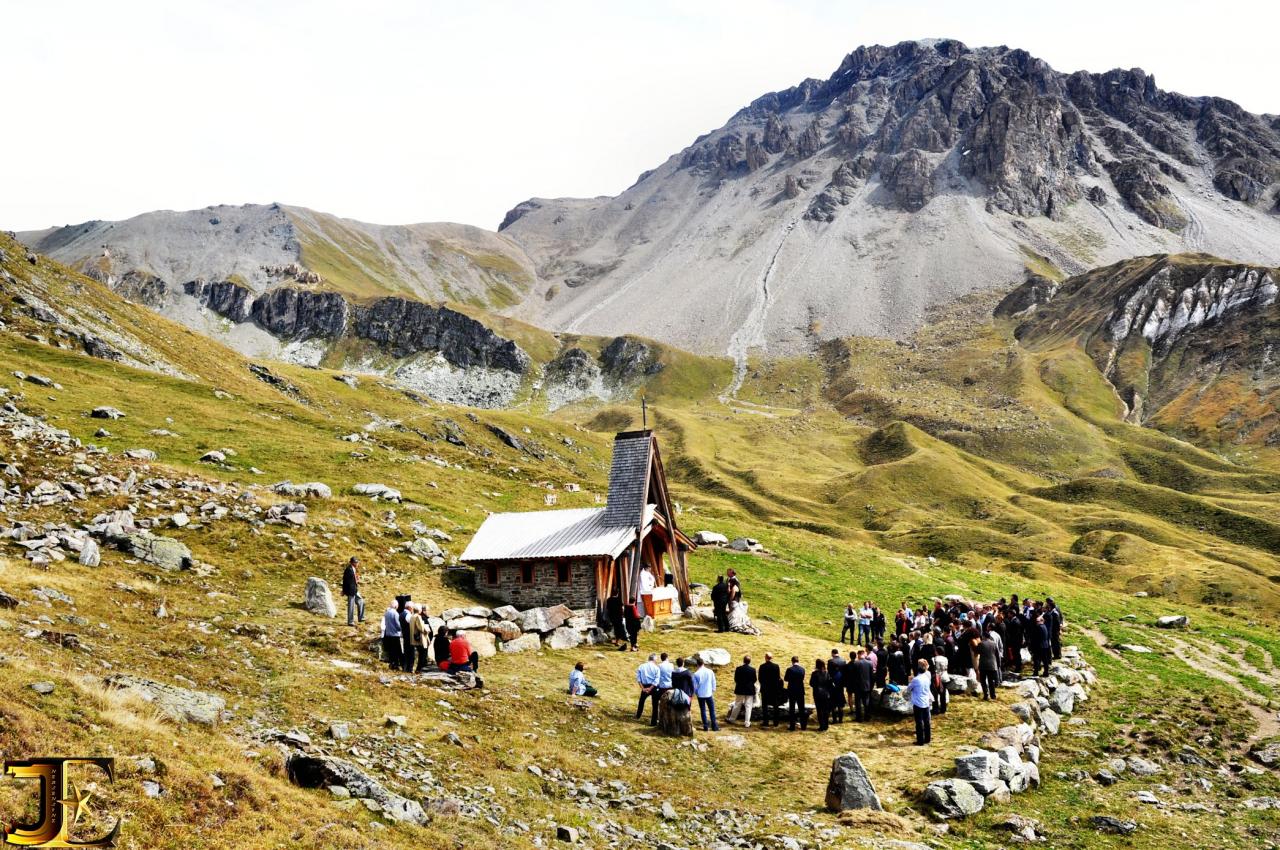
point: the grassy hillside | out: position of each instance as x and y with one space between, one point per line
883 502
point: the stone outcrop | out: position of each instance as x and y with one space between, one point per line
400 326
320 771
318 599
849 786
1158 327
179 704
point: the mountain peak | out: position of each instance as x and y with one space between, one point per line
914 173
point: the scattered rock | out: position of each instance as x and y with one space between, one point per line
710 538
106 413
318 598
43 688
1173 621
714 657
953 798
310 771
163 552
177 703
1115 826
849 786
378 491
1268 755
309 490
523 643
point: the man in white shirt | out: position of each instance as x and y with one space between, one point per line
647 676
704 688
920 689
864 624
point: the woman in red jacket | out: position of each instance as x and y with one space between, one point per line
460 654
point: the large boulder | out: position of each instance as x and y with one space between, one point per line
465 623
163 552
482 642
310 771
714 657
523 643
307 490
563 638
1173 621
318 598
982 766
505 630
1062 700
543 619
896 703
177 703
425 547
850 787
378 491
953 798
710 538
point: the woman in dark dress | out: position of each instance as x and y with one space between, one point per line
820 684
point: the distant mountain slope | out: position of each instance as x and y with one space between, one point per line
263 246
914 174
1189 341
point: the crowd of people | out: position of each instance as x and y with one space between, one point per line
409 642
983 642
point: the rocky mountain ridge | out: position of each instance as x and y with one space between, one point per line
1187 340
913 174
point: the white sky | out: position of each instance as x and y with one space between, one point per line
455 111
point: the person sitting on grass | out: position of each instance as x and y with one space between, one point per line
578 684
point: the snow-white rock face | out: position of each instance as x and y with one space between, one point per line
1161 309
915 174
472 386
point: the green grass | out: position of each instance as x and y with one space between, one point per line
851 506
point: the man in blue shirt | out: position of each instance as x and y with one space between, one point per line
920 689
391 636
665 671
578 684
704 688
647 675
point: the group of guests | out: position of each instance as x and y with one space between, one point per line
981 641
959 631
409 642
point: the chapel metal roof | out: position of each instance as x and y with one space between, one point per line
571 533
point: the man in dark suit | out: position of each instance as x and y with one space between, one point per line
835 669
794 680
1041 649
770 690
351 590
744 692
861 678
1053 619
720 604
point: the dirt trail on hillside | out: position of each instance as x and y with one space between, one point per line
1221 665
